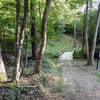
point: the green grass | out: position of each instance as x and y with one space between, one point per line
61 81
54 45
58 42
97 74
58 89
56 70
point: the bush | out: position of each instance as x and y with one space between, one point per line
25 72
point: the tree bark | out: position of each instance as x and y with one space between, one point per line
95 36
27 45
17 70
91 17
83 40
3 75
86 32
40 10
5 46
18 7
74 21
43 37
90 25
33 32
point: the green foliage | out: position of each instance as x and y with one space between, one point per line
60 27
97 74
74 4
25 72
7 17
56 70
3 77
58 89
58 42
61 81
11 94
60 18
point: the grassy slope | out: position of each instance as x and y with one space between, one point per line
58 42
54 45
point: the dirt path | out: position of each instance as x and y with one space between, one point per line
79 82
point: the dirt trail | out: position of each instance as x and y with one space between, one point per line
80 83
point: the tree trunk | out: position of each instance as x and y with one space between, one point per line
95 36
3 75
43 38
18 7
90 26
17 70
74 21
86 33
40 10
91 17
5 46
83 40
33 32
27 45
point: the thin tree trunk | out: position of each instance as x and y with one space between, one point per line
3 75
43 37
16 76
90 27
83 40
33 32
40 9
90 18
74 21
27 45
87 49
95 36
5 45
18 7
86 32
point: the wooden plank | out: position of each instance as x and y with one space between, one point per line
61 51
